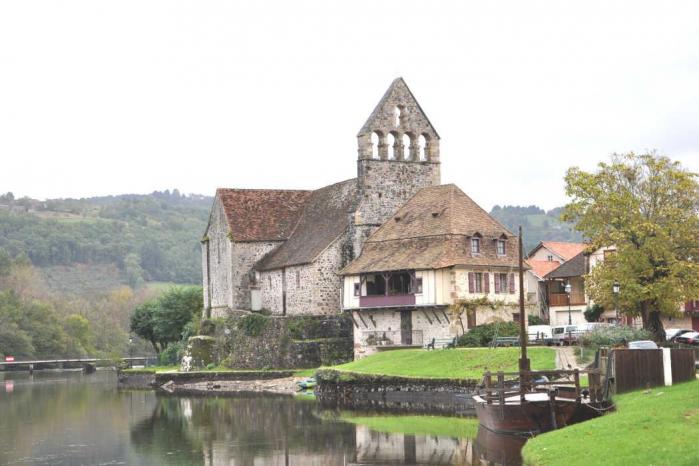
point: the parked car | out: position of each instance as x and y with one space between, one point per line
672 333
564 334
642 344
689 338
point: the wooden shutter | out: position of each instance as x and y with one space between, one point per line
471 282
497 282
486 283
512 283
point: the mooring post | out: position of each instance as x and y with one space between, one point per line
576 377
501 388
487 387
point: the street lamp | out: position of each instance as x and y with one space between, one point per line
615 289
568 289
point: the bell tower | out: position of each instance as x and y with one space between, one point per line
398 152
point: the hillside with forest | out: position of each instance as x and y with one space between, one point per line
537 224
95 244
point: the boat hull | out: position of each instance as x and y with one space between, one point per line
529 417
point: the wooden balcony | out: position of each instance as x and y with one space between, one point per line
387 300
561 299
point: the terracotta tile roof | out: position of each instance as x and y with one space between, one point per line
541 268
262 214
432 231
324 218
566 250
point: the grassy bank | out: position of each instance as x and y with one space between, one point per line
441 426
658 426
460 363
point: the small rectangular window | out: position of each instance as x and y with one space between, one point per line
357 288
503 283
549 258
478 282
501 247
475 245
418 285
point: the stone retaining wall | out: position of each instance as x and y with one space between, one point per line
148 379
365 391
255 341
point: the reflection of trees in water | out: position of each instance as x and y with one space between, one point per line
240 428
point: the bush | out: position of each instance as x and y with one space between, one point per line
535 320
252 324
593 313
610 336
482 335
207 328
172 354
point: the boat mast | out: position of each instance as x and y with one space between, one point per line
523 361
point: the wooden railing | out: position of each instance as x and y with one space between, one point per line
561 299
508 384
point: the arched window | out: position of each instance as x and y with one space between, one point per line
396 114
422 147
375 141
391 145
406 147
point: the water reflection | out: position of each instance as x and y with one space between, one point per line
69 418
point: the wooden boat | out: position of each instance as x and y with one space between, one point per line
529 402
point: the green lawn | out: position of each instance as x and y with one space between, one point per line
442 426
460 363
655 427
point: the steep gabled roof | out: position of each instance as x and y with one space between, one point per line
542 268
324 218
430 232
572 268
261 214
564 250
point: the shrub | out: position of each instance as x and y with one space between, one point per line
535 320
207 328
593 313
609 336
482 335
252 324
172 354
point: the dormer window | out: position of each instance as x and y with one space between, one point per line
549 258
501 247
475 245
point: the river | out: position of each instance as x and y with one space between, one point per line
67 418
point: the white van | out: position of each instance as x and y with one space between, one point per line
539 332
564 334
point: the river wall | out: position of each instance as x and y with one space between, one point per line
340 389
254 341
147 379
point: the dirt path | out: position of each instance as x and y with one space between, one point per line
565 357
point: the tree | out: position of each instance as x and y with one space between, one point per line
176 307
142 322
647 207
79 334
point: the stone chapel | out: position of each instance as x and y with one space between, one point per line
281 250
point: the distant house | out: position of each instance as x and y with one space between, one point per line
438 248
546 257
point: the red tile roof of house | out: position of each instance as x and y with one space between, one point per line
566 250
262 214
542 268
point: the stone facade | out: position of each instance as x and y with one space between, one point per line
398 154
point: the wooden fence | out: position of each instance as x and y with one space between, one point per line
638 369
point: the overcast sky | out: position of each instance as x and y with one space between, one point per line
122 96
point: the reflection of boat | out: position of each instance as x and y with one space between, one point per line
499 449
307 383
535 401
